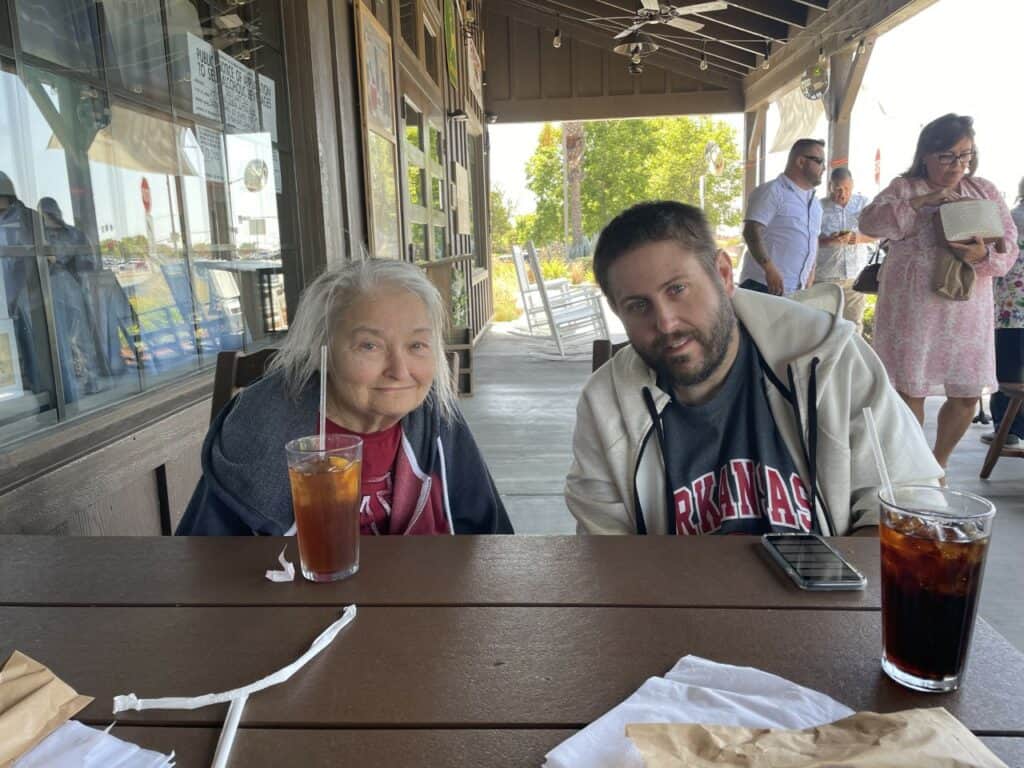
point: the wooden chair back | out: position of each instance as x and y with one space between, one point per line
235 371
602 351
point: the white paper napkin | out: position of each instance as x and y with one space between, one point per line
696 690
74 745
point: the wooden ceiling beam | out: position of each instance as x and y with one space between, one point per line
669 46
782 11
740 20
742 56
840 28
685 66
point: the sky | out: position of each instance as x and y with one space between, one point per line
956 56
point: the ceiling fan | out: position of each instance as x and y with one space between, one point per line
652 12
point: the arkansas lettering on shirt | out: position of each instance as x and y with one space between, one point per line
380 450
729 468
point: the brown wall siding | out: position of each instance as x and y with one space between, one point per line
113 490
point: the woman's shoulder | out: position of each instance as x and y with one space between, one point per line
267 408
986 187
903 185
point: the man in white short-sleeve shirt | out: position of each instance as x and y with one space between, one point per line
842 250
782 223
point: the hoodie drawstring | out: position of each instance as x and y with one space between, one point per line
670 501
810 446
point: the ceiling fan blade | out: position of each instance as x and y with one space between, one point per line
651 5
630 30
684 10
685 24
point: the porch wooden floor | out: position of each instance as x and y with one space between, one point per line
522 416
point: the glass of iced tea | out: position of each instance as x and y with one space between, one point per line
326 493
934 542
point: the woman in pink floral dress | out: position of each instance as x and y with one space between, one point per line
932 345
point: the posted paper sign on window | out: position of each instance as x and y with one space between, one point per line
212 145
268 106
238 84
278 185
202 71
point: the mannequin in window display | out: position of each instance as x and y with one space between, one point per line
17 237
68 250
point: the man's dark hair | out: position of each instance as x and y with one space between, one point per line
842 173
802 145
654 222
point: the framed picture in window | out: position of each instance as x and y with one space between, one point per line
451 42
376 78
380 150
10 367
382 186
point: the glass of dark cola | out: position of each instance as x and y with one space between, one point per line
934 542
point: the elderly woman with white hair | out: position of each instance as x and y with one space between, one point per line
387 382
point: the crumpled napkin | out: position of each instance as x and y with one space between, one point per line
34 703
74 745
696 690
287 572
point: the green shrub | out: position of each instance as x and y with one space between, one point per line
506 291
869 318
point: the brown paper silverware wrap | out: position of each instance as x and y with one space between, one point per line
917 738
33 704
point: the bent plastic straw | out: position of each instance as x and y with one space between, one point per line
323 397
237 696
227 734
876 448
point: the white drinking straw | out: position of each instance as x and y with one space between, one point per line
876 448
323 397
237 697
227 734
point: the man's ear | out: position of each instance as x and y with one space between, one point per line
723 265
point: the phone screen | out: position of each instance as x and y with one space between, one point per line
811 562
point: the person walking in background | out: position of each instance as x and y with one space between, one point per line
1009 299
931 345
842 250
782 223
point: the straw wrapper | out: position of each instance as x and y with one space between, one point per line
238 696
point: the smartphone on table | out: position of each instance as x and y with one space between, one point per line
811 562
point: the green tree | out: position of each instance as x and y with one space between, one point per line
501 221
679 163
524 228
544 177
628 161
617 160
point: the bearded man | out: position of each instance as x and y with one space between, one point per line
730 411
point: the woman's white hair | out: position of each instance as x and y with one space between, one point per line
324 303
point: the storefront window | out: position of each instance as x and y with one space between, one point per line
140 228
62 32
5 25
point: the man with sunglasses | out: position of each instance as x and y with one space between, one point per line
782 223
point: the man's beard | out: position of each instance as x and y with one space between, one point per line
715 345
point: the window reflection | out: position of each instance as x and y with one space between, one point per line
134 47
139 234
65 32
5 25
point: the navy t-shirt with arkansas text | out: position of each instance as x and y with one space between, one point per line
729 469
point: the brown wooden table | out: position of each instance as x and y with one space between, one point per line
465 652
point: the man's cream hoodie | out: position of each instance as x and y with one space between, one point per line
617 463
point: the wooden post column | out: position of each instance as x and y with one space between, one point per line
846 75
